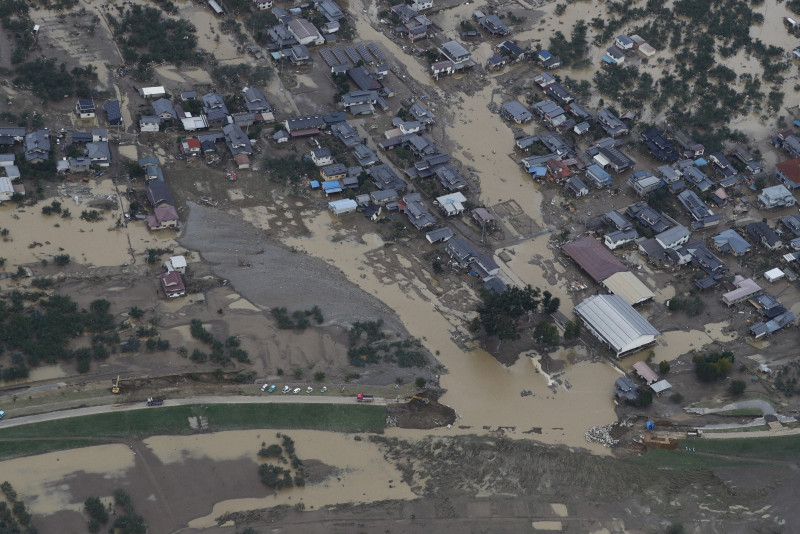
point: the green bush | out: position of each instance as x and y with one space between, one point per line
273 451
737 387
96 509
713 365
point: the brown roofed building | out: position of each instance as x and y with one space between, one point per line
593 258
788 173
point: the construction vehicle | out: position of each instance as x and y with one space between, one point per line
423 400
155 401
364 398
115 387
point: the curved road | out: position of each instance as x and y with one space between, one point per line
113 408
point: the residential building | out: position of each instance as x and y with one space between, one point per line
648 217
623 42
343 207
149 124
384 178
164 217
559 93
164 109
721 163
788 172
777 196
613 159
440 234
419 5
764 235
455 52
514 111
336 171
697 178
37 146
745 289
346 134
576 186
99 135
702 215
617 220
731 241
99 153
598 176
322 157
421 114
237 141
450 178
644 183
172 284
262 5
255 101
658 146
673 237
690 147
460 251
792 223
215 110
305 125
618 238
85 108
452 205
113 112
305 32
415 210
191 146
492 24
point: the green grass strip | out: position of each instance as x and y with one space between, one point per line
771 448
175 420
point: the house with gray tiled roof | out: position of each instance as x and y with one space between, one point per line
37 146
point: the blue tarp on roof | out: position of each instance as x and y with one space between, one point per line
331 187
314 184
700 162
537 171
609 59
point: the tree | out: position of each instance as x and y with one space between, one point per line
713 366
663 367
546 333
420 382
572 330
319 376
737 387
499 313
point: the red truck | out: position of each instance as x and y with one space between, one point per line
364 398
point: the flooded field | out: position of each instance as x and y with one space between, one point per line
33 237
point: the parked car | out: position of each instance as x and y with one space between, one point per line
264 387
2 414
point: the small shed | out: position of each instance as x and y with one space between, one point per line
773 275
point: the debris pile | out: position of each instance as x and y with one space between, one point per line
601 434
391 422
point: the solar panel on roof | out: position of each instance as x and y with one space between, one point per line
351 53
372 47
364 53
329 58
339 55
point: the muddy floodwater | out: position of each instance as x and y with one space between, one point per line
485 394
54 482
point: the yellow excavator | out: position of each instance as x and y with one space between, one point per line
423 400
115 387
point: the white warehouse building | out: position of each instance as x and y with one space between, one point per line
614 322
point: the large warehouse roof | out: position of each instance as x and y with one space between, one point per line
616 323
593 258
630 288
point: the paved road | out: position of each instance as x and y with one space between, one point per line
115 408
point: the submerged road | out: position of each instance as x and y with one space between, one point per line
115 408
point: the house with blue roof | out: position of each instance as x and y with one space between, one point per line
730 241
598 176
113 112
